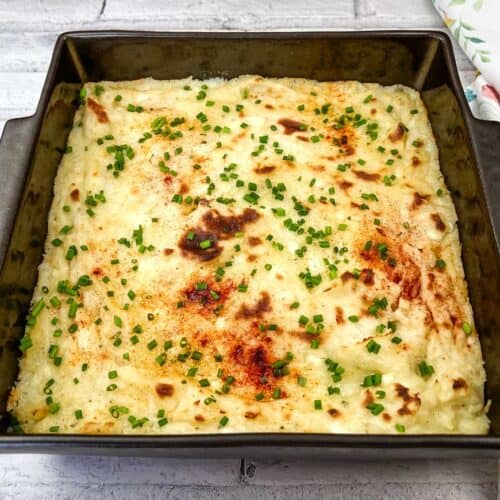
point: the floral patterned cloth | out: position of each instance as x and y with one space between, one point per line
475 24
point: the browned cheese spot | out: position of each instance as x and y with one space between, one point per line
418 200
262 306
440 225
216 227
459 383
251 365
346 276
398 133
347 147
226 226
409 400
369 398
164 390
264 170
291 126
345 185
100 112
210 299
190 244
334 413
251 414
319 168
367 276
366 176
405 273
253 241
431 278
339 315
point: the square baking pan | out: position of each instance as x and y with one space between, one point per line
469 150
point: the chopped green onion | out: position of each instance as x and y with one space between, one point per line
467 328
372 380
314 343
373 346
71 252
425 370
375 408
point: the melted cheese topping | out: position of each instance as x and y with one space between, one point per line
251 255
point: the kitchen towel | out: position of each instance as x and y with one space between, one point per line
475 26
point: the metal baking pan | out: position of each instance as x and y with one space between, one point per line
469 149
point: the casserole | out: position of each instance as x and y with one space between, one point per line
415 59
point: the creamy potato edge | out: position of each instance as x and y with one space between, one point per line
250 255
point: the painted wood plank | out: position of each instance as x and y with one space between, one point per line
232 14
15 14
19 94
397 14
25 51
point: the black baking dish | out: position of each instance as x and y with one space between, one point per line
469 149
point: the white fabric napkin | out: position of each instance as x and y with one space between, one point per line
475 24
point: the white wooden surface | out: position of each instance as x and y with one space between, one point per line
28 29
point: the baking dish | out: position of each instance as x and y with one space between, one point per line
469 150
